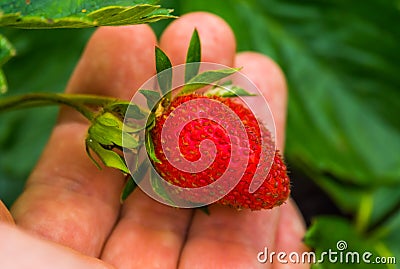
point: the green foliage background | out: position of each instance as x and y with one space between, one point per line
341 59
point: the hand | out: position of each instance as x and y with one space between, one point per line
69 201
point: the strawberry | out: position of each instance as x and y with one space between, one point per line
201 139
275 187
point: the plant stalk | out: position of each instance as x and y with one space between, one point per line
80 102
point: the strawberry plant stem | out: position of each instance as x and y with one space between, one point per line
80 102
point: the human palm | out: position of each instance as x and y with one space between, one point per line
69 201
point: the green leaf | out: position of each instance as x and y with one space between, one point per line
6 52
164 71
79 14
228 91
206 78
193 57
326 232
152 97
108 157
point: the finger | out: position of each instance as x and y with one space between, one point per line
229 238
39 254
218 43
5 215
154 233
116 62
270 80
148 235
290 235
67 199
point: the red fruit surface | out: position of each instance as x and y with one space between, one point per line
275 187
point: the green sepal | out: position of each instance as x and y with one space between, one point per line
228 91
88 142
164 71
132 127
151 122
204 209
129 187
206 78
152 97
133 179
158 188
150 147
108 157
107 130
193 57
119 107
134 111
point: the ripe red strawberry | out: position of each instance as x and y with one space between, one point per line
275 188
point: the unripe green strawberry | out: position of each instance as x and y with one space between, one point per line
275 187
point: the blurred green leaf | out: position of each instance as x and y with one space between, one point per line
6 52
338 235
43 64
79 14
390 236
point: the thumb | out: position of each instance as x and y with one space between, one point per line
40 253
